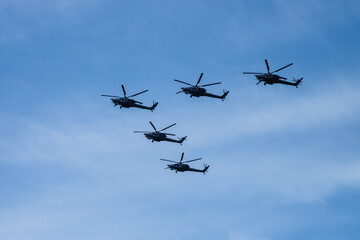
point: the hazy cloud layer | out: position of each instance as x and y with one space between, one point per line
284 162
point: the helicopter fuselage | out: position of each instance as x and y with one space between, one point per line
182 167
159 137
124 102
156 136
179 167
199 92
194 91
128 103
268 78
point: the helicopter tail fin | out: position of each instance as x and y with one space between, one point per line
182 139
224 95
298 81
154 106
206 167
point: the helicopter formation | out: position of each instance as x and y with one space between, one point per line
196 90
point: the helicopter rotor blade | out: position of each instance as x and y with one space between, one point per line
210 84
283 68
167 127
183 82
179 92
182 156
153 126
168 160
197 159
138 93
267 65
252 73
199 79
103 95
123 88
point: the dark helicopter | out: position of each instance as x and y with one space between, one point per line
270 78
159 136
182 167
199 90
127 102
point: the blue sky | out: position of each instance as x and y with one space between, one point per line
284 162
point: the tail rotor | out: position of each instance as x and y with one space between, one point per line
154 106
297 82
225 93
206 167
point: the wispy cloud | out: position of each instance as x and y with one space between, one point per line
111 143
318 109
270 148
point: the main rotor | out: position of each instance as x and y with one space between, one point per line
197 84
158 131
181 160
126 97
268 69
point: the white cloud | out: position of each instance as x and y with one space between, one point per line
106 147
289 179
329 106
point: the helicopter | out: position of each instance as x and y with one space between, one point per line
182 167
159 136
270 78
199 90
127 102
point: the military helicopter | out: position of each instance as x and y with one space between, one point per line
159 136
270 78
127 102
182 167
199 90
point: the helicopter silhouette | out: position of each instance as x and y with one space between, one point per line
270 78
159 136
199 90
183 167
127 102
